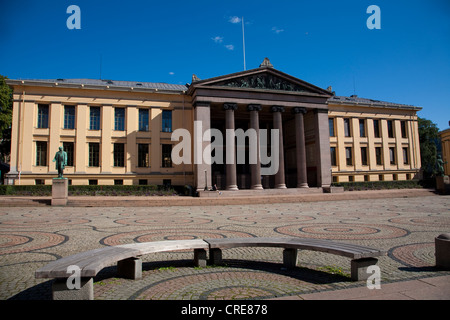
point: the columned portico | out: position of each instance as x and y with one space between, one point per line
264 98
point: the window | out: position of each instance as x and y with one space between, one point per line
119 119
390 126
69 117
68 148
94 154
41 153
347 131
379 155
404 131
39 181
392 155
331 126
93 182
348 156
333 156
364 156
167 121
143 119
376 128
405 155
142 182
42 119
362 128
166 155
118 182
94 118
119 155
143 157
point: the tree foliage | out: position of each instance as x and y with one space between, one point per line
429 143
6 106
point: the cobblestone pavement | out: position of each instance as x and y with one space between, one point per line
30 237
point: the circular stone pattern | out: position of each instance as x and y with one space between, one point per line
158 221
39 223
414 255
255 219
170 234
429 221
33 240
343 231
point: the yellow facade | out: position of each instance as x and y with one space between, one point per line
120 151
445 143
361 154
27 136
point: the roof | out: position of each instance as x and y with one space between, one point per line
106 84
355 100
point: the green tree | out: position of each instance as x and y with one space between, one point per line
6 106
429 142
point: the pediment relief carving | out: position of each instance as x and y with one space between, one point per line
263 81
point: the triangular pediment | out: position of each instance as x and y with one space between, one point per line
263 78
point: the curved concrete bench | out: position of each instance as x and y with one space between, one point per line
361 256
129 264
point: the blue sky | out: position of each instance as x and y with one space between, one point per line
322 42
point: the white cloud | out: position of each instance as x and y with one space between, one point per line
234 19
217 39
171 73
277 30
229 47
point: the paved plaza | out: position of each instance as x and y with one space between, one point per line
404 226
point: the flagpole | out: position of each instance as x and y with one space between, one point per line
243 41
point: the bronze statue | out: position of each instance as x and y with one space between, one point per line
61 161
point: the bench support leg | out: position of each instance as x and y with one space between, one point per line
359 268
215 256
290 257
200 257
130 268
60 290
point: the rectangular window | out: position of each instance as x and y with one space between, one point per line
93 182
390 125
379 155
166 155
119 119
331 126
41 153
118 182
347 129
376 128
143 156
42 116
405 155
333 156
94 118
348 156
119 155
392 155
404 131
143 119
364 156
94 154
68 148
362 128
69 117
167 121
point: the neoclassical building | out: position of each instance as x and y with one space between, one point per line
121 132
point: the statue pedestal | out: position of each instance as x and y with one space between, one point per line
443 184
60 193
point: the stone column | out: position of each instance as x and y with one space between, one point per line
322 140
203 116
302 178
230 146
255 169
278 124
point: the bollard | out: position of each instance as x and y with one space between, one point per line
442 253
